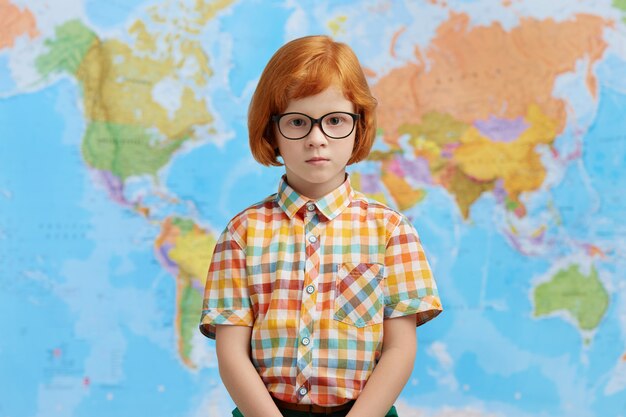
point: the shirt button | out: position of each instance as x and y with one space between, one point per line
302 391
312 239
310 289
310 207
306 341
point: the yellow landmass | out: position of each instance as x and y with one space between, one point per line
15 22
193 18
517 163
190 248
433 136
118 87
208 9
144 41
196 58
192 252
435 140
426 148
119 79
336 25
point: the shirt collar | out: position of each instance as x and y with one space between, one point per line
329 205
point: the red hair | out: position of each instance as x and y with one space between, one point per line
302 68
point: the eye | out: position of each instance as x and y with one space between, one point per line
335 119
297 122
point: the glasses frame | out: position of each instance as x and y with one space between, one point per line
276 119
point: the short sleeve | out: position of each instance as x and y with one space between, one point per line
409 284
226 297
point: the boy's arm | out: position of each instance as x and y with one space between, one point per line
239 375
392 371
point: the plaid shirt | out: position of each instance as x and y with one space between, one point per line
315 280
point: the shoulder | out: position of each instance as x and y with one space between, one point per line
262 210
266 205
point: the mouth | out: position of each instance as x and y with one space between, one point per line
317 159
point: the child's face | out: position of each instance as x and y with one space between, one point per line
316 164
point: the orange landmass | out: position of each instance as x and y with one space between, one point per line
15 22
392 48
472 73
169 233
143 210
593 250
369 73
402 192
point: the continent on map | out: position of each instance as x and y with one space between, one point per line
15 22
185 251
477 102
369 185
582 297
395 173
129 132
142 102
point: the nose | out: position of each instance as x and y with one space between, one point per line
316 137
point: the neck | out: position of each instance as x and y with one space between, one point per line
314 191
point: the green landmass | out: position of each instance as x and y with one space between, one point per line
584 297
190 299
511 205
67 50
125 150
377 155
185 225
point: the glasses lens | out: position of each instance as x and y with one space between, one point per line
337 125
294 125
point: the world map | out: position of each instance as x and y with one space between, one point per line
124 153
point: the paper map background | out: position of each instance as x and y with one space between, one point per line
123 153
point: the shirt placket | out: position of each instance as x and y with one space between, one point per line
309 299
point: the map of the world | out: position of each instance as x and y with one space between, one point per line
124 153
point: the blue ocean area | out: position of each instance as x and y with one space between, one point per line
610 72
108 15
221 181
6 82
153 377
604 351
44 334
45 180
530 390
605 157
45 225
139 270
254 39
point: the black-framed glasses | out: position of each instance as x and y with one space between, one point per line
335 125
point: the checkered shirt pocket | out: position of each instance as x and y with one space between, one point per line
359 295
